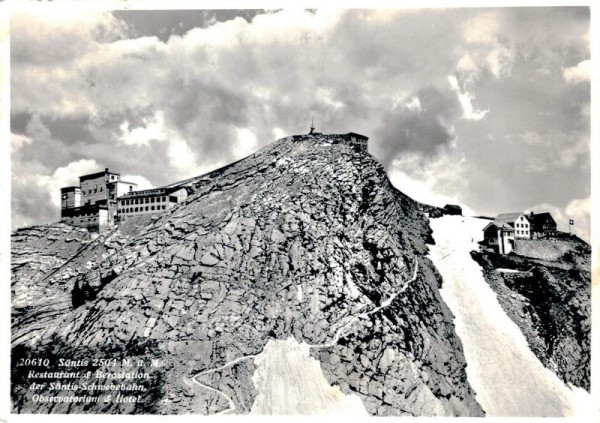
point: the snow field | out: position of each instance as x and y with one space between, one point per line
507 377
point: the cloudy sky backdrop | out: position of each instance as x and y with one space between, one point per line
488 108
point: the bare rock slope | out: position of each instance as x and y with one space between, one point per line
304 240
548 296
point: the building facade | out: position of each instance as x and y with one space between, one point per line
519 222
150 201
357 141
93 204
360 142
499 236
70 197
93 217
543 225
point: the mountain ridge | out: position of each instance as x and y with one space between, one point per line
305 240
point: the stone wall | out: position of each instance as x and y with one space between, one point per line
544 249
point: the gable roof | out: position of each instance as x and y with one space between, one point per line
501 225
509 217
97 175
540 218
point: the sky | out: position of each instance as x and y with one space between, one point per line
487 108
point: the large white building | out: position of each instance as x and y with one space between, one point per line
508 227
502 232
102 200
519 221
150 201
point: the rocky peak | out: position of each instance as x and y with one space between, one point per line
305 239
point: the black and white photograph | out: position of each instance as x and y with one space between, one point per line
341 211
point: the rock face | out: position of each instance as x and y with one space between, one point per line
38 293
550 302
303 240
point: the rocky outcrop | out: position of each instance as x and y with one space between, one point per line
40 291
550 302
52 266
303 239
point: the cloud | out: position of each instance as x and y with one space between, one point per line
17 141
465 98
48 56
184 100
578 210
487 48
426 180
246 142
421 126
482 28
65 176
36 130
39 192
553 149
142 135
278 133
177 22
579 72
180 155
142 183
414 104
63 35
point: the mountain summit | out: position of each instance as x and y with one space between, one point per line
296 280
305 241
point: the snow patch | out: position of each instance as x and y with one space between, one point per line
503 270
352 289
289 381
507 377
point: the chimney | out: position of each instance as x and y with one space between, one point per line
106 170
531 215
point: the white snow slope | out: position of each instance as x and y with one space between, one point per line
289 381
507 377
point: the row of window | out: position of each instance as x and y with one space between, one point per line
81 215
84 219
141 200
143 209
522 232
522 225
94 191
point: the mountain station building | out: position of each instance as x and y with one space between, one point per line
93 204
501 233
103 200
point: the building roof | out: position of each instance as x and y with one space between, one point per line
151 192
540 218
354 134
508 217
124 182
500 225
67 189
97 174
